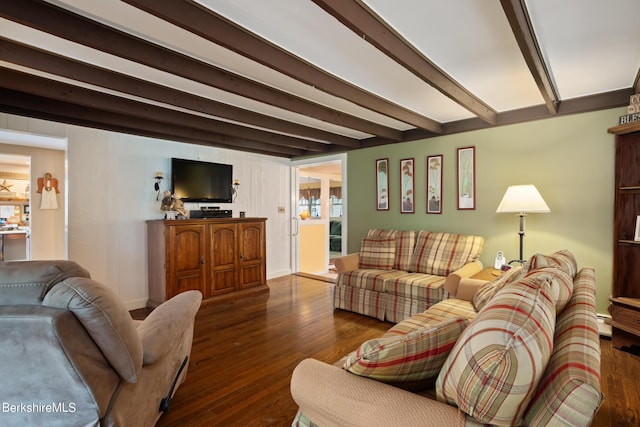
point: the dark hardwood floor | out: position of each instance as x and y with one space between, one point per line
244 353
620 384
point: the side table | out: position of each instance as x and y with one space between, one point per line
488 273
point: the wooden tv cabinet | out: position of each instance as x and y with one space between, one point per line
224 258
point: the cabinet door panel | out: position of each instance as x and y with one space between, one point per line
252 255
185 259
251 249
224 248
626 274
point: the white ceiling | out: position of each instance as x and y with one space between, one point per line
589 48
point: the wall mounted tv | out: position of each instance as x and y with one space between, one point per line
197 181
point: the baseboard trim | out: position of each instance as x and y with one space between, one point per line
274 274
604 325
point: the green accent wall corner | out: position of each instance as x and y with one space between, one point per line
570 159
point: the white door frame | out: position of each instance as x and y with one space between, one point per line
295 181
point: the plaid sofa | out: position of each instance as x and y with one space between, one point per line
398 274
530 355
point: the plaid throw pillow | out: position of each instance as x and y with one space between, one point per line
405 241
414 357
498 361
377 253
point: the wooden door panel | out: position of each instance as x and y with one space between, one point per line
186 258
224 259
186 282
251 248
224 249
188 251
251 275
224 280
252 264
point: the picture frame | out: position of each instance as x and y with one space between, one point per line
382 184
466 184
434 184
407 184
636 236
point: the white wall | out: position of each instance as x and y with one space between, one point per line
111 195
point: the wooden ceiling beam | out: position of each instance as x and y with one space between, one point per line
43 61
59 22
209 25
24 104
518 17
357 17
136 110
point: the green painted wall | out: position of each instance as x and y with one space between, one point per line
570 160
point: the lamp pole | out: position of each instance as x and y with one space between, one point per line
521 235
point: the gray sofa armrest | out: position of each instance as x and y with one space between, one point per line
166 324
453 279
347 262
328 395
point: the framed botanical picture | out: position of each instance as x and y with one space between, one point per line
434 184
467 178
636 236
382 184
406 186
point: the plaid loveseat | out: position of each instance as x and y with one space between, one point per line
397 273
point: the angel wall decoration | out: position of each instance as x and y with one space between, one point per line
48 187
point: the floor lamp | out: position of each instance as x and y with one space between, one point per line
522 199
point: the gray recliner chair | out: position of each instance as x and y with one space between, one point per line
70 353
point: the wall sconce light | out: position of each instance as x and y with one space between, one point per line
236 185
158 177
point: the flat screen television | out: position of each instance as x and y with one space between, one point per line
198 181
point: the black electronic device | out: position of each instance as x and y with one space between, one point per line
198 181
211 213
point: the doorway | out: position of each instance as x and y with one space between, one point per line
319 226
15 207
48 227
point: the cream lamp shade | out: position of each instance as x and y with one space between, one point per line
522 199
